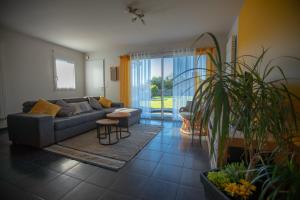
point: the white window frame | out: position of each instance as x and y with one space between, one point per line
55 73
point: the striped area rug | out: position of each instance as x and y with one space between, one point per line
86 147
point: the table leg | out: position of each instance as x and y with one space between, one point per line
118 132
109 132
122 131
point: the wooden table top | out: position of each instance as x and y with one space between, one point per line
117 115
107 122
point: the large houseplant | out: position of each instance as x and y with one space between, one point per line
240 96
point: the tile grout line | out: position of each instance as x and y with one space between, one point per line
70 190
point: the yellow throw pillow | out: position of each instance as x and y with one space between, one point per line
44 107
105 102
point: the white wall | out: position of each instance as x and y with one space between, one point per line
234 29
28 69
111 57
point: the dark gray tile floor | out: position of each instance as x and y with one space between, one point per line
167 168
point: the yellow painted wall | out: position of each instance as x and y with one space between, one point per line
273 24
269 23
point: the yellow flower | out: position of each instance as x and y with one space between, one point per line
231 189
243 189
248 185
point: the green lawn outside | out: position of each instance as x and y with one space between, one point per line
156 102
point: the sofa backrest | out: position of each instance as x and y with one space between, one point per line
27 105
76 100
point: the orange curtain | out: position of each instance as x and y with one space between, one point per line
209 65
125 80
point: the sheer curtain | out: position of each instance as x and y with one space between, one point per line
184 84
141 83
200 73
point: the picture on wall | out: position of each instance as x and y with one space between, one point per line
114 73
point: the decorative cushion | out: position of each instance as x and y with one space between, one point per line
105 102
81 107
95 104
28 105
76 120
66 109
44 107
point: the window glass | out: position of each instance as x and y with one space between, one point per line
65 74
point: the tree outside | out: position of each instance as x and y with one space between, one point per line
156 88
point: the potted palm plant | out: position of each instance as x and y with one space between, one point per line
241 96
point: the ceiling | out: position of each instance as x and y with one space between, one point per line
92 25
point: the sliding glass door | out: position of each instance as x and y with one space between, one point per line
167 88
158 86
161 88
156 89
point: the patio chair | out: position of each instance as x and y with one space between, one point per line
186 116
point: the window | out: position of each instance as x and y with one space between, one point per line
64 75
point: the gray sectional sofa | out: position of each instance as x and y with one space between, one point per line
44 130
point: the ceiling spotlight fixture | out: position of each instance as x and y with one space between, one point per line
137 14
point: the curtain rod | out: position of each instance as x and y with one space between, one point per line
162 53
167 52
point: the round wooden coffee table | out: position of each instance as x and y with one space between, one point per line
119 116
107 124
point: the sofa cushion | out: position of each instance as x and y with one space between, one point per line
106 103
75 100
45 107
81 107
66 122
28 105
66 109
95 104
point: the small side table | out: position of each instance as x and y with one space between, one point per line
107 124
120 116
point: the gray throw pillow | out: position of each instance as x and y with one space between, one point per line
82 107
66 110
95 104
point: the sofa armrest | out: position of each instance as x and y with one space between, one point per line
117 105
33 130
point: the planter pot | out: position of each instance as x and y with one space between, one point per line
214 193
211 191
